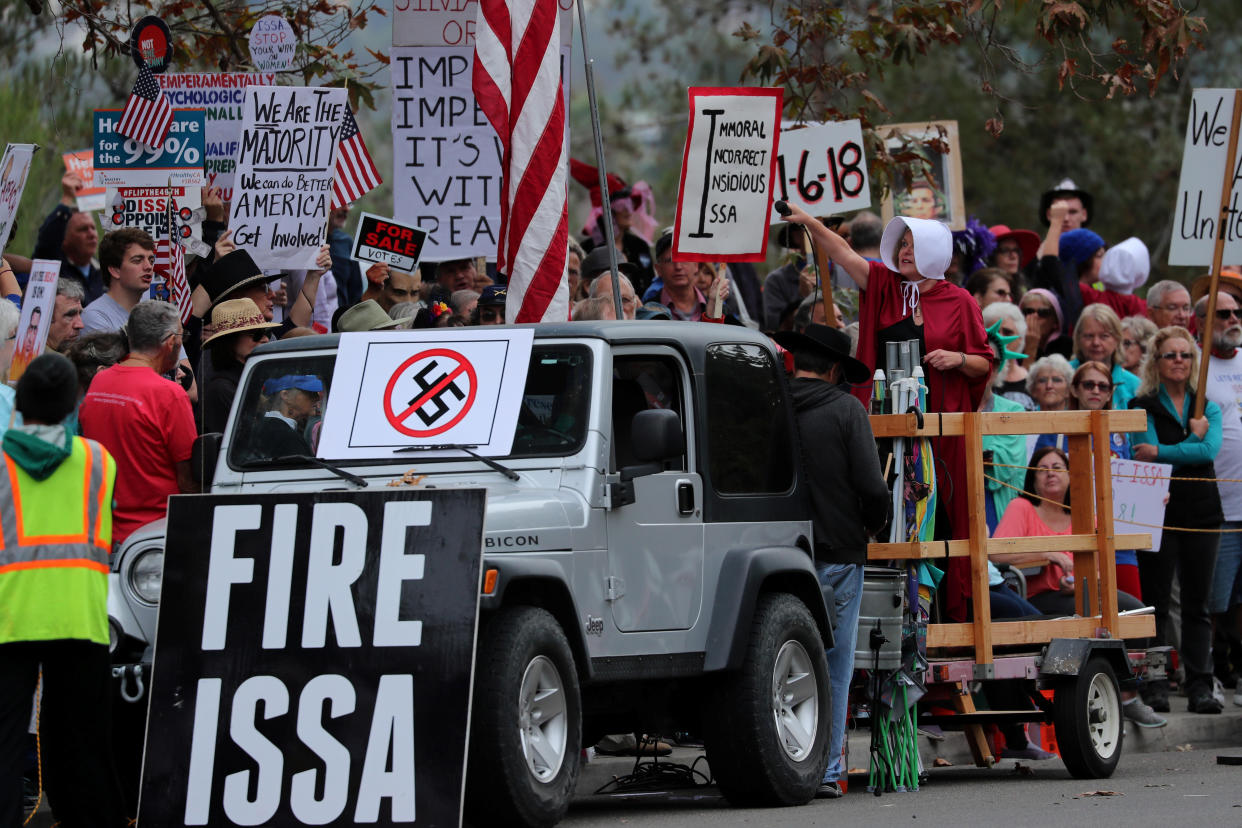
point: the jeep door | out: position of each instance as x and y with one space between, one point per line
655 544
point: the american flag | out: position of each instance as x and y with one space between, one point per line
170 260
517 82
355 171
147 114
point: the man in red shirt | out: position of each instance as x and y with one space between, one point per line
144 420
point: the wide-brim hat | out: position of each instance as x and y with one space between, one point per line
365 316
1066 189
596 263
825 340
230 272
1028 240
235 316
1229 282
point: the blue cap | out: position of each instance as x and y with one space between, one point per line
302 382
494 295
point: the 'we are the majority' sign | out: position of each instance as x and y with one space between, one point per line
285 164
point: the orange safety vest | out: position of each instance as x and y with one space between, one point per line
56 534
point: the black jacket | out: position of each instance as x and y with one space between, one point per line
849 498
1191 503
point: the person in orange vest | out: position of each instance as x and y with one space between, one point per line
55 536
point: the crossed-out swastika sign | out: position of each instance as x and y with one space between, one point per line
430 393
393 391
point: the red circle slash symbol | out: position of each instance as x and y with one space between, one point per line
427 388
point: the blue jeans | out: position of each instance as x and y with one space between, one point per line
1227 579
846 581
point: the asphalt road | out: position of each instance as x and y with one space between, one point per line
1164 789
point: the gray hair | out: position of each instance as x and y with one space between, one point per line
1201 305
9 317
604 278
998 311
577 250
1157 292
150 323
598 307
806 310
1053 362
1140 326
459 299
866 229
72 289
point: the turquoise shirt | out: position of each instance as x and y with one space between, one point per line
1193 449
1125 385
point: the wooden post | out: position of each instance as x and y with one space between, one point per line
1105 556
1082 521
1218 254
822 265
976 491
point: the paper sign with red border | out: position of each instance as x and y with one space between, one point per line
82 164
393 390
388 241
727 169
822 169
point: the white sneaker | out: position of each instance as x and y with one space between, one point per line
1218 691
1237 698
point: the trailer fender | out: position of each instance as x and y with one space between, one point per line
1064 658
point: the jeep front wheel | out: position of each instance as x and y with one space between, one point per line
767 737
526 724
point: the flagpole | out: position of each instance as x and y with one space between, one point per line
609 238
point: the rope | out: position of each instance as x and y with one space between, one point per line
1022 491
1132 476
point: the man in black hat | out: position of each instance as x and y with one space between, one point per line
1078 205
622 203
849 498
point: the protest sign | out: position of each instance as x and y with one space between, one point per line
286 161
150 42
389 242
452 23
272 44
822 169
124 162
935 190
82 164
147 209
1198 219
727 168
36 315
313 659
14 168
219 95
426 389
1139 492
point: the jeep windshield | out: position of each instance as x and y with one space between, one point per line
272 428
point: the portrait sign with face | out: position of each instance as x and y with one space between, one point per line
36 316
13 170
934 189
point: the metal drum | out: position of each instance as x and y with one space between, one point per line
882 601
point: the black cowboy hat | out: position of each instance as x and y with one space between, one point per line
825 340
596 263
1066 189
231 272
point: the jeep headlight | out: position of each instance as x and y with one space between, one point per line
146 576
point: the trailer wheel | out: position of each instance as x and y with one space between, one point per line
526 724
767 732
1089 723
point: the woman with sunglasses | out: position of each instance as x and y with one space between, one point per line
1097 338
1044 325
1190 444
905 298
237 327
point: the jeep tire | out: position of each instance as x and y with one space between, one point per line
526 721
767 735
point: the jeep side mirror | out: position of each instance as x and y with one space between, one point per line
204 455
656 435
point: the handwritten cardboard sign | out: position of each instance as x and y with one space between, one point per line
725 194
822 169
272 44
389 242
1196 219
219 95
14 168
1139 492
452 22
82 164
286 161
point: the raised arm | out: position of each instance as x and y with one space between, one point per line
839 249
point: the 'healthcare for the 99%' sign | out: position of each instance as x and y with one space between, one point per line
313 659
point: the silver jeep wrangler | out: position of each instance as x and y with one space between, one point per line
646 556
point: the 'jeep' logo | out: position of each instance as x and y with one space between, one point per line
510 541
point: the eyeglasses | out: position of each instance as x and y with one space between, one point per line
1223 314
1092 385
1042 313
258 336
1049 379
1175 308
1127 343
1008 250
491 313
1172 355
1008 332
1051 469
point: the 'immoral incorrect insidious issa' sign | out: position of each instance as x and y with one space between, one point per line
727 169
313 659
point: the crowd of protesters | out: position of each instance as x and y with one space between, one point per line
1008 319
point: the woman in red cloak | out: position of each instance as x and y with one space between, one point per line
904 298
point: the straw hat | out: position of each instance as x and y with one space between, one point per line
235 316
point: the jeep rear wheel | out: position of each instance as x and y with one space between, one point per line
526 724
767 738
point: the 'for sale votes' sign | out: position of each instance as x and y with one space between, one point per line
313 659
